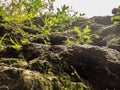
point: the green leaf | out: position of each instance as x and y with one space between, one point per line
78 31
38 3
24 41
12 41
47 42
116 17
88 41
86 30
96 36
86 36
17 47
3 37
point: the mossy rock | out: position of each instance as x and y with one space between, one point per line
12 78
14 62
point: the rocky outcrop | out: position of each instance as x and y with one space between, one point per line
99 66
13 78
39 70
109 33
109 36
104 20
57 66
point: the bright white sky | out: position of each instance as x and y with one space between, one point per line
90 7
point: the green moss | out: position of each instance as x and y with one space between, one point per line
37 81
14 62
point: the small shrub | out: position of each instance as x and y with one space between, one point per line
22 10
83 36
19 10
116 16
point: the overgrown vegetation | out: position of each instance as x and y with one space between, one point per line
25 11
19 10
18 27
116 16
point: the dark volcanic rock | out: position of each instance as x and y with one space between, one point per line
20 78
9 52
109 33
52 39
38 66
30 52
39 40
4 30
104 20
109 36
100 66
57 39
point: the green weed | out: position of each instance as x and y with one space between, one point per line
2 46
83 36
16 45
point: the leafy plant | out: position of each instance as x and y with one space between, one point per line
116 16
19 10
83 36
56 22
16 45
24 41
69 42
64 17
2 46
47 42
